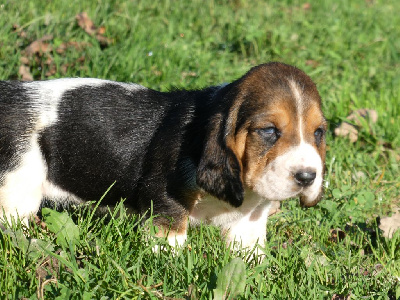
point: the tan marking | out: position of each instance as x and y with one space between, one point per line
313 119
238 144
255 158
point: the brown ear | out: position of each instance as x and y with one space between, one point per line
219 170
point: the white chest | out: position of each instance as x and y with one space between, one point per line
245 224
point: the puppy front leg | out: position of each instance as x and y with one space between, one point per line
175 237
250 230
174 230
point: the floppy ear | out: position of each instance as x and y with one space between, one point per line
219 170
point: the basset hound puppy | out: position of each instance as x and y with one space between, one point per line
220 155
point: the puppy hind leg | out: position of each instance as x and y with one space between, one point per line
21 188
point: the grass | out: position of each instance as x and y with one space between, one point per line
332 251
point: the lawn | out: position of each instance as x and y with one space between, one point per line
335 250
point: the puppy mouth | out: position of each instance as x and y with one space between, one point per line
309 196
306 202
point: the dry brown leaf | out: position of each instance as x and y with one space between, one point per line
346 129
51 71
189 74
39 222
24 60
86 23
21 33
65 67
312 63
62 48
25 73
363 113
49 60
88 26
81 59
101 30
389 225
103 40
350 130
341 297
76 45
39 46
337 235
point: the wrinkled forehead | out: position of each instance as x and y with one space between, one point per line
282 100
294 99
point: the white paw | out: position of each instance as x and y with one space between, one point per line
176 241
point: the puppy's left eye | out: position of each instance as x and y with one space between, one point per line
318 134
270 134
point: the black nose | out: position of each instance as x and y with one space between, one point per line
305 178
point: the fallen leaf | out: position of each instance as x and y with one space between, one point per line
364 271
337 235
346 129
21 33
49 60
81 59
189 74
24 60
350 129
101 30
285 245
363 113
39 46
86 23
88 26
51 71
377 269
340 297
39 222
103 40
25 73
76 45
389 225
312 63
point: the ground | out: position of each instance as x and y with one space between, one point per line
333 251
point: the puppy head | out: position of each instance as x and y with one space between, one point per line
270 138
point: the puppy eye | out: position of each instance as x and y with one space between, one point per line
319 133
270 134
